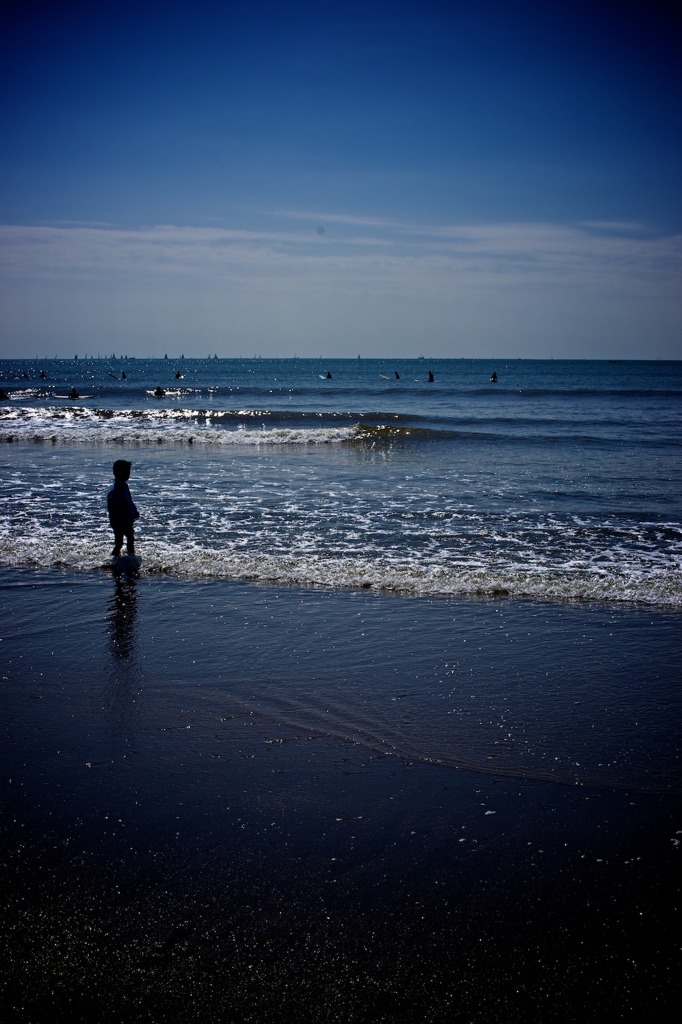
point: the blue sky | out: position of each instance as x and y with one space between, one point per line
458 179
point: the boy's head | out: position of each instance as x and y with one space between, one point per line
122 469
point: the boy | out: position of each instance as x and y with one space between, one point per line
121 508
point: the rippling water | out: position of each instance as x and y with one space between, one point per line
561 480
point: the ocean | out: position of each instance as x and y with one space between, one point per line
560 480
386 725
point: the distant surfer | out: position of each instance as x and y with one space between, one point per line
73 394
329 376
397 375
159 392
121 509
493 378
430 377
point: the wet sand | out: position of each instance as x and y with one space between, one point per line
233 802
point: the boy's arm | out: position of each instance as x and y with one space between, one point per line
132 507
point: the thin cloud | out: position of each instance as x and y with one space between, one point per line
354 220
511 250
621 227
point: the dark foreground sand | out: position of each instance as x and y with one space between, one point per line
233 803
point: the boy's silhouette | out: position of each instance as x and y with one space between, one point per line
121 508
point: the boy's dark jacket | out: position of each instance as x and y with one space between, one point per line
120 505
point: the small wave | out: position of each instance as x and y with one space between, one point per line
388 576
80 425
182 426
172 427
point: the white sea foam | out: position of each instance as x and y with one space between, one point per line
45 548
78 425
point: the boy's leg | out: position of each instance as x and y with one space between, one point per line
118 542
130 540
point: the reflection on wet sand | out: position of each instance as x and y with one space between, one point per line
122 616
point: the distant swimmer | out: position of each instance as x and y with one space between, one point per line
329 376
430 377
121 509
3 395
179 376
159 392
124 375
397 375
493 378
43 375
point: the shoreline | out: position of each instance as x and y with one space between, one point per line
219 806
91 560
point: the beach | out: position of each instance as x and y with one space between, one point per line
232 801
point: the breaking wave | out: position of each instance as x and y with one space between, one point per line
643 585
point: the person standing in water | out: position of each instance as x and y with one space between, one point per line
121 509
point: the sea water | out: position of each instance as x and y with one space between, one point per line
559 480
